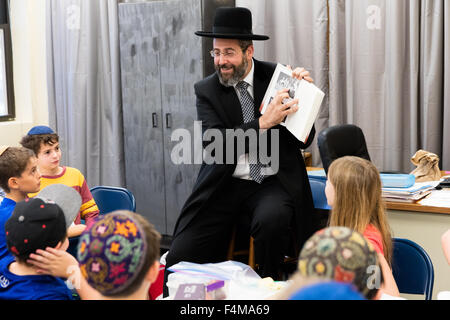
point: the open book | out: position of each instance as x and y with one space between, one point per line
310 98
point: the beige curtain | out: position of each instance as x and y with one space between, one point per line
84 88
298 37
388 57
384 68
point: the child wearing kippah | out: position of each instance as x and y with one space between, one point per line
118 258
45 144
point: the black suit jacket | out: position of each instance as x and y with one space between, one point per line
218 107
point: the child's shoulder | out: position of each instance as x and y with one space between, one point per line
73 171
74 177
372 232
374 236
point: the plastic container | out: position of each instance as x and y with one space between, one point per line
397 180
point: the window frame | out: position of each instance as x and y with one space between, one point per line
8 74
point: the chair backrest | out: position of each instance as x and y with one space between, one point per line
341 140
110 198
107 199
412 268
73 246
318 193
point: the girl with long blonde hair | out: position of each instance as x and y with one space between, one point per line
353 191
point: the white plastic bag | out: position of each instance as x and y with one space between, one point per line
241 281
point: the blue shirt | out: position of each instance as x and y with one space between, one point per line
6 208
33 287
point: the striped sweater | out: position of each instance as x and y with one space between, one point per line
74 178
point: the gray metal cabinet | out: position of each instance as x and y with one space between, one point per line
161 59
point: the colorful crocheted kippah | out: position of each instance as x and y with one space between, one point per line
111 252
340 254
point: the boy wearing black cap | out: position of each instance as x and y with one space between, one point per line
37 223
45 144
19 175
118 258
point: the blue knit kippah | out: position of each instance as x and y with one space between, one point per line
328 291
40 130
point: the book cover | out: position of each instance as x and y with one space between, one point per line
310 99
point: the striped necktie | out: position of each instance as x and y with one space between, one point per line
248 112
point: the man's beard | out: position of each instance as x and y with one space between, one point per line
238 73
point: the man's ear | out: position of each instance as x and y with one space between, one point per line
152 272
250 51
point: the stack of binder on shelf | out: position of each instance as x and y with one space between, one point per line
403 188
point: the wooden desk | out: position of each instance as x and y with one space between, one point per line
416 207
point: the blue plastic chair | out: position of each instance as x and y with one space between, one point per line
108 199
412 268
318 193
73 246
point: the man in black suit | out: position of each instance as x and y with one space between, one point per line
276 197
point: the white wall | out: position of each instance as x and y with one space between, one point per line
29 70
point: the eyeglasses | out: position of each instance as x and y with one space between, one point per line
227 54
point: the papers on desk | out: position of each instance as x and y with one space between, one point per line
438 198
411 194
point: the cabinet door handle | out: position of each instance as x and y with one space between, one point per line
168 120
154 120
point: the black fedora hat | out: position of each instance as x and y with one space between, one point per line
232 23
